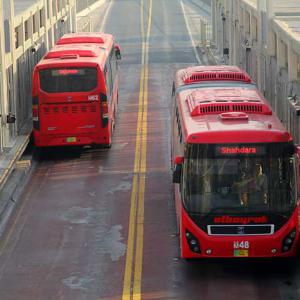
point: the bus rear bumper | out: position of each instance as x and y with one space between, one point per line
70 140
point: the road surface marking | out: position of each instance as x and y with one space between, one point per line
134 254
190 32
105 16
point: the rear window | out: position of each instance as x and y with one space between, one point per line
68 80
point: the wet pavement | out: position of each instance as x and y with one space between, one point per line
70 234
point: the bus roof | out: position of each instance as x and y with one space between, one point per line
198 74
84 38
79 49
228 115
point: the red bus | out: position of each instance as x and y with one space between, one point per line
75 91
234 168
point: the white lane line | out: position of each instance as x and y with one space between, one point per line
91 8
190 32
106 15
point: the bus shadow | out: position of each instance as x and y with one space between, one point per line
268 268
275 279
68 153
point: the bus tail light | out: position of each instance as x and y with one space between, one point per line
104 109
192 242
288 241
35 113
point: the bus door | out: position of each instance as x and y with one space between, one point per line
70 101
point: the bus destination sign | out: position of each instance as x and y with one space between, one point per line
239 150
66 72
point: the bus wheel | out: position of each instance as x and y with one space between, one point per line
40 153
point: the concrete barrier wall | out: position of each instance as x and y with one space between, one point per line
32 28
263 38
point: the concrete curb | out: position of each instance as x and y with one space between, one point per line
13 178
11 158
10 194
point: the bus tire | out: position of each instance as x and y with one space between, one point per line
40 152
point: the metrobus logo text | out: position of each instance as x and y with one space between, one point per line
240 220
238 150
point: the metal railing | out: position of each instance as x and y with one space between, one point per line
205 29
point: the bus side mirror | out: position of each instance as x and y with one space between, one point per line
118 51
173 89
178 169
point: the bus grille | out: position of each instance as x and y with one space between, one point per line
240 229
78 109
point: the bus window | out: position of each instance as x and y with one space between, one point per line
68 80
113 64
108 79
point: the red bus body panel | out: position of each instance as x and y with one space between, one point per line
207 126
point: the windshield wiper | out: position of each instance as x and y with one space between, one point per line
279 214
213 210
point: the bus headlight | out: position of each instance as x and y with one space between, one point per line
288 241
192 242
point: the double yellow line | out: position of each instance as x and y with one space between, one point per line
134 254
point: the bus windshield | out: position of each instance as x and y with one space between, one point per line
239 178
65 80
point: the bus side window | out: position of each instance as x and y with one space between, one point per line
183 184
113 64
108 80
178 125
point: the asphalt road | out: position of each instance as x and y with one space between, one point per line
100 223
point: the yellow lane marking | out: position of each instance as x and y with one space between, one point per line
139 243
134 256
129 253
8 169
